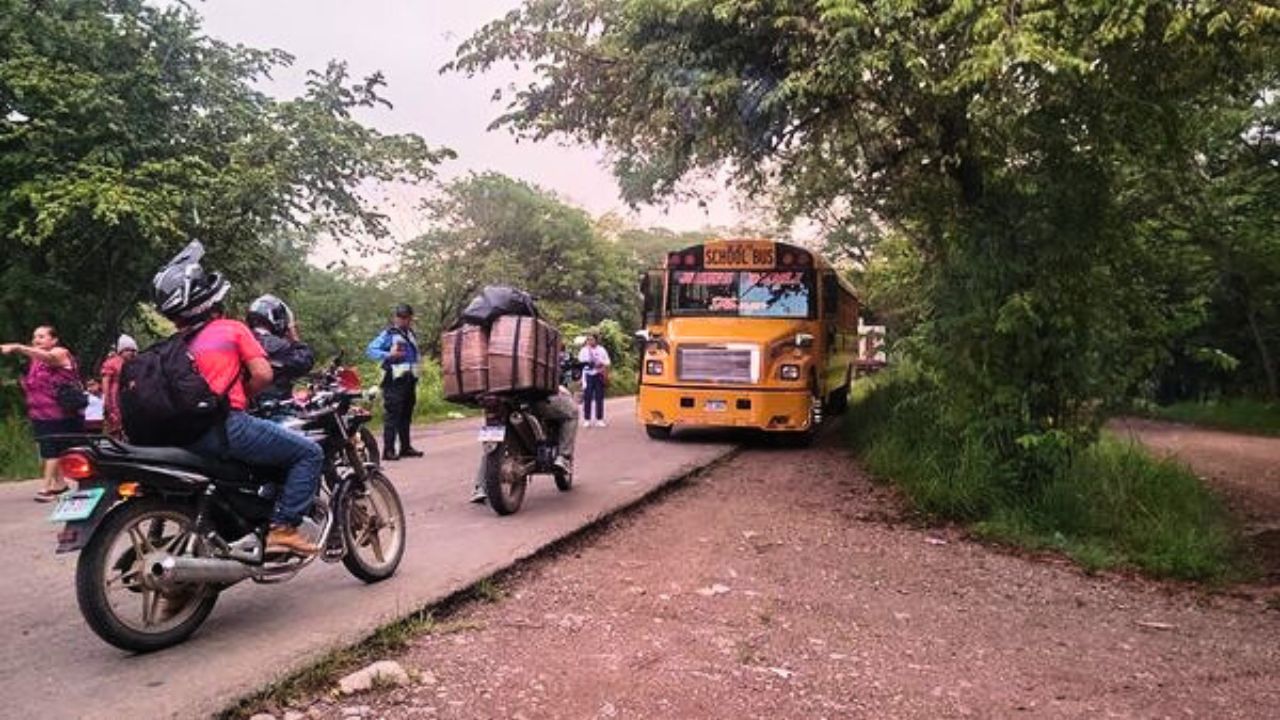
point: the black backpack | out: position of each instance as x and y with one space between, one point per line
164 400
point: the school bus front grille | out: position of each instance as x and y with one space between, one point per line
715 364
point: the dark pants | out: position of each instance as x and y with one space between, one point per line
593 393
398 398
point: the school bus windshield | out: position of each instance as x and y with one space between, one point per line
742 293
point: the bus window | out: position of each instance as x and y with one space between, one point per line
784 294
651 288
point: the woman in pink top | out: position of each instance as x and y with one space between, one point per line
51 366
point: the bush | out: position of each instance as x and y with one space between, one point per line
19 459
1108 505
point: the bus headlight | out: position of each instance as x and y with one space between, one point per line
653 367
790 372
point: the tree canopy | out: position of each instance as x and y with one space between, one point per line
125 131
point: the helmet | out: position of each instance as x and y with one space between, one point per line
182 290
270 312
404 310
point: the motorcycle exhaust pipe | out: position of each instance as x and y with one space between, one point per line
173 570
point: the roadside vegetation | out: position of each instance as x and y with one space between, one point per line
1106 505
1241 415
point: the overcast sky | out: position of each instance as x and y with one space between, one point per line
409 40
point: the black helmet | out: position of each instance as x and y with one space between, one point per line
182 290
270 312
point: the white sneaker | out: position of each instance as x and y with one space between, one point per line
600 423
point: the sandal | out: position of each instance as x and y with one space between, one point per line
47 496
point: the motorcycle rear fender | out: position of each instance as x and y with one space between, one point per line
75 535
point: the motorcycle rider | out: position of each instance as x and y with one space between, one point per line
225 350
559 409
273 324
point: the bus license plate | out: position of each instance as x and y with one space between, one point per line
76 505
717 406
492 433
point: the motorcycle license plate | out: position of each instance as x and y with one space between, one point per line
717 405
76 505
492 433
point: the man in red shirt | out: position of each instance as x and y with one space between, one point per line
225 350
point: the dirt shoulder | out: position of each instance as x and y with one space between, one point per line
786 584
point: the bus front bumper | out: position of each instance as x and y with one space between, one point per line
780 411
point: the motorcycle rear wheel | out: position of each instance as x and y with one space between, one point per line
166 617
373 529
504 491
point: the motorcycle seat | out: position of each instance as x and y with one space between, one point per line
173 456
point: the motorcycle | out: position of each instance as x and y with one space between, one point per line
518 444
163 531
336 378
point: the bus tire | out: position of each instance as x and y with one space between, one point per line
658 432
838 401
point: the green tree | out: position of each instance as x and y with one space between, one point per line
492 229
1029 152
124 131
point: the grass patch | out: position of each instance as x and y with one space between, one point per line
1251 416
1111 505
19 459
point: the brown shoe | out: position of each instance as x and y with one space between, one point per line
283 538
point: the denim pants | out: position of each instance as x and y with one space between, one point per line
259 442
593 394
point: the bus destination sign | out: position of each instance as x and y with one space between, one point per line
739 255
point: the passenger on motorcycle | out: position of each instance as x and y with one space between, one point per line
559 409
224 350
273 324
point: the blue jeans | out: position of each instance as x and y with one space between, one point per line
254 441
593 395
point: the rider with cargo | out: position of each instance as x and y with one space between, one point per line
500 347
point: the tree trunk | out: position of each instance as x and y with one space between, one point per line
1268 367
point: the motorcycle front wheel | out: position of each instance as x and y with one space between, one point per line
119 598
373 529
503 486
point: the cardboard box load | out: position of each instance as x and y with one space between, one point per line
518 353
464 356
524 355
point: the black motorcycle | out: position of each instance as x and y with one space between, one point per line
162 531
518 444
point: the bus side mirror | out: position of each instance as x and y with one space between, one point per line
651 288
804 340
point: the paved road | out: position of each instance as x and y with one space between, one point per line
53 666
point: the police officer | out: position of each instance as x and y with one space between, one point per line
396 348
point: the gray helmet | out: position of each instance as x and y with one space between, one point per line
270 312
182 290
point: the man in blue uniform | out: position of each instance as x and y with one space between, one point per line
396 348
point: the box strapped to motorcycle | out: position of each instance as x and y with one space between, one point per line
499 345
524 355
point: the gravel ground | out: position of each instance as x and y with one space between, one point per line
786 584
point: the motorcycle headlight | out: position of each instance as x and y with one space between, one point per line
653 367
790 372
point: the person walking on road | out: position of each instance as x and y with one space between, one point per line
594 378
126 350
55 401
396 348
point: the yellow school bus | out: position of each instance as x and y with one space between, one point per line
745 333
